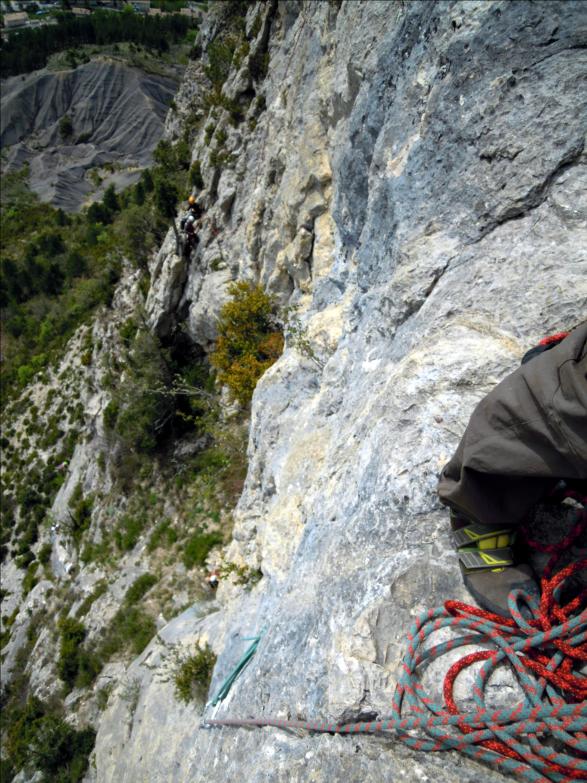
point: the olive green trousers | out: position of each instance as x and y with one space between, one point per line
523 438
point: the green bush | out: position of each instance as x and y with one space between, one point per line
65 127
30 578
163 535
111 415
73 634
141 406
220 54
129 532
256 26
166 198
221 136
80 513
128 330
139 588
95 553
193 674
198 546
44 555
249 341
39 736
131 629
196 179
86 604
209 132
77 666
259 65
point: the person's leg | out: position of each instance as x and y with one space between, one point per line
526 435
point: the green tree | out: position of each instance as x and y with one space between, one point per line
73 634
142 408
97 213
65 127
110 200
166 198
53 279
147 180
75 264
196 179
61 218
249 341
51 243
134 232
139 193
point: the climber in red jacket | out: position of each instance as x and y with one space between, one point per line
525 437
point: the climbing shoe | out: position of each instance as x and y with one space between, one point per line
486 558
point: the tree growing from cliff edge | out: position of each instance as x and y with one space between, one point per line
249 341
166 198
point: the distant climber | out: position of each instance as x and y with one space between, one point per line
213 579
523 439
189 223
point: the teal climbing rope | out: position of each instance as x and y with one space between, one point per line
228 682
543 738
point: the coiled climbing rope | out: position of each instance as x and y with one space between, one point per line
544 737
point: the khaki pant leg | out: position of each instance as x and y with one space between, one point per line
527 434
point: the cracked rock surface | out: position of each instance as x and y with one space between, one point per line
435 152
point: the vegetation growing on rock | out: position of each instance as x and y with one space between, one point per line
249 340
193 674
172 461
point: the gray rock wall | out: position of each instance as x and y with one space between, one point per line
417 186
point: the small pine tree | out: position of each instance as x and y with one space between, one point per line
147 180
166 198
110 200
65 127
61 218
196 179
75 264
139 193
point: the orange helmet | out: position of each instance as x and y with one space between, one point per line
191 201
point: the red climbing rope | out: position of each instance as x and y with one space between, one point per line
551 614
544 650
553 338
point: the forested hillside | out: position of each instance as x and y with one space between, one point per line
28 50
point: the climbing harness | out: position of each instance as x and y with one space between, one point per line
544 737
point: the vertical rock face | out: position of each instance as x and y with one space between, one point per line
417 187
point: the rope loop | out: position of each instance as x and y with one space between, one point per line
542 738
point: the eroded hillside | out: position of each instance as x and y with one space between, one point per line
116 118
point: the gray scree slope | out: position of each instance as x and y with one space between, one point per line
118 109
418 186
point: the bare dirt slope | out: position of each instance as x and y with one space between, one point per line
117 113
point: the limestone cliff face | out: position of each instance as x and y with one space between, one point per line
416 186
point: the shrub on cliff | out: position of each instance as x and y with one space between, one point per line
249 340
193 674
38 736
140 407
